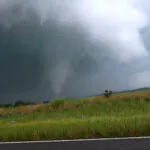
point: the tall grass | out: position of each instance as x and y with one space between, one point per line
83 118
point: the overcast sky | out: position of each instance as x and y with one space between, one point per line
72 48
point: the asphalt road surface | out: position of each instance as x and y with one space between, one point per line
141 143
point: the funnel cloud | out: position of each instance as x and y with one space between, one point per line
72 48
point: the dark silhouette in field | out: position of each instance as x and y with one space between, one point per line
107 93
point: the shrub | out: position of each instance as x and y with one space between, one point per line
107 93
56 103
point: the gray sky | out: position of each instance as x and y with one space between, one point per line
75 48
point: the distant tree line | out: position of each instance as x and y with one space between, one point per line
17 103
107 94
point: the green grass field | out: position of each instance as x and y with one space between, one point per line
126 114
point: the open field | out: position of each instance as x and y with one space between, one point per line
124 114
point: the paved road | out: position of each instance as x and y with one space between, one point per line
90 144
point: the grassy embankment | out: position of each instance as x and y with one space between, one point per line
124 114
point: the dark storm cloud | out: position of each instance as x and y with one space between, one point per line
30 52
53 48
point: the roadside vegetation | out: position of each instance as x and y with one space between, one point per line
110 115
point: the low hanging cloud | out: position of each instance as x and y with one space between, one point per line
116 23
75 47
141 79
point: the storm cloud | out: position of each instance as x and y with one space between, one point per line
72 48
